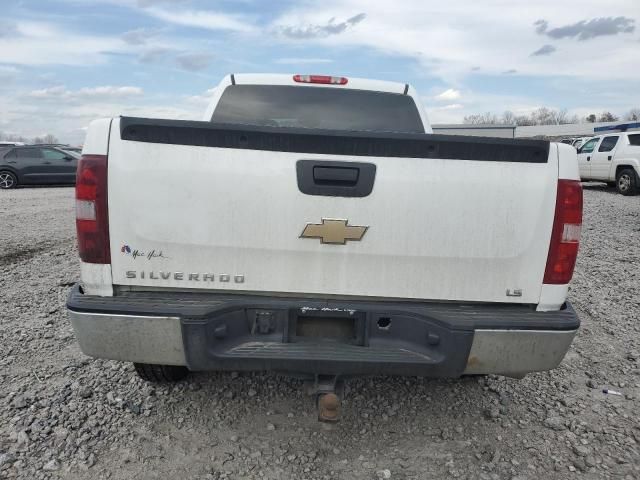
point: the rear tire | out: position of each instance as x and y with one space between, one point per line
160 373
627 182
8 180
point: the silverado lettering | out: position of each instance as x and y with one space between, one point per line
132 274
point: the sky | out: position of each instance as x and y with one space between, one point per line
64 63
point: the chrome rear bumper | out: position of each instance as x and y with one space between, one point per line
223 334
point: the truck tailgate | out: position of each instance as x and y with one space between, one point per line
205 214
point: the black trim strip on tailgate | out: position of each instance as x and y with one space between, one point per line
331 142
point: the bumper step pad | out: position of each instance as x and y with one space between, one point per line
325 352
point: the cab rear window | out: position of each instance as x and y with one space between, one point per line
318 107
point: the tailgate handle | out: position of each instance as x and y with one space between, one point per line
341 176
334 178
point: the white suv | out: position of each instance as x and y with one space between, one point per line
613 158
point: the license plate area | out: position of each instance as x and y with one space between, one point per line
326 326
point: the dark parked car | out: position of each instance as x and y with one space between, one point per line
36 165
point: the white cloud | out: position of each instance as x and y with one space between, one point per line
451 113
302 61
588 29
452 106
40 43
177 12
110 91
148 3
154 55
194 61
201 19
202 100
8 69
330 27
479 102
8 74
101 92
49 92
138 36
448 95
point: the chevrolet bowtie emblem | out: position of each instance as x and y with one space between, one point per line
333 231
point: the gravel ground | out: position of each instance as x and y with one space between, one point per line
64 415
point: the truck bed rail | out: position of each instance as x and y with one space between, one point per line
333 142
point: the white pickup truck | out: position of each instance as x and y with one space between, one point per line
613 158
314 225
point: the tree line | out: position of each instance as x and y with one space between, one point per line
547 116
48 139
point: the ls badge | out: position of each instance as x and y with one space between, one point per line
333 231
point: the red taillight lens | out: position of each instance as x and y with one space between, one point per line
326 79
92 217
565 237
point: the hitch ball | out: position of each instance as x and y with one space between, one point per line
328 407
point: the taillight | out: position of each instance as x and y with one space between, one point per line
92 217
565 237
326 79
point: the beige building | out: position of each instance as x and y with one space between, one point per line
513 131
480 130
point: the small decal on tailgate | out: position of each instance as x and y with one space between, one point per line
135 253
